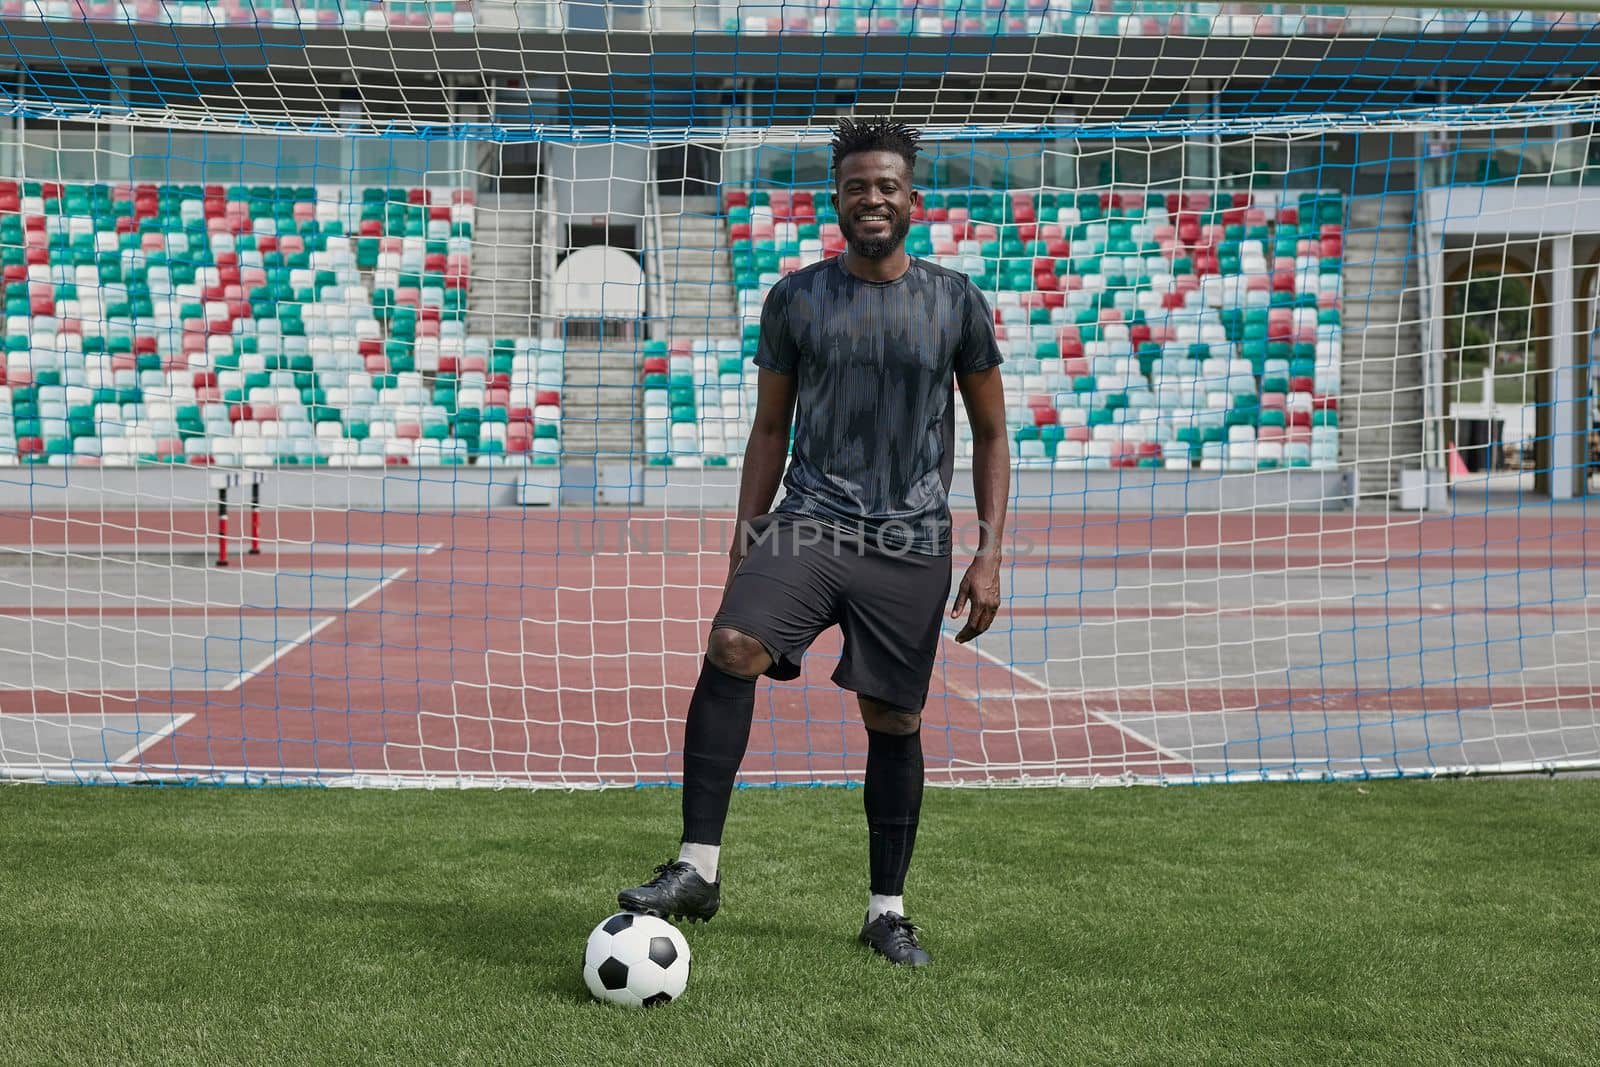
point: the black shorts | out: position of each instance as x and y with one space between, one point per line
801 577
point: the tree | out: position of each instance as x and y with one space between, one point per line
1491 309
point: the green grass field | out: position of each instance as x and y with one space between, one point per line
1438 922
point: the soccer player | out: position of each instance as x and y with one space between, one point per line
861 352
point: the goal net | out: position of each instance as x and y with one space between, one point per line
376 380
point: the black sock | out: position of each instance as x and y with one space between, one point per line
714 741
893 799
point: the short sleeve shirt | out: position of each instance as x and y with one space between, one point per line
875 363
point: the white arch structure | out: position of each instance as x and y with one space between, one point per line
598 282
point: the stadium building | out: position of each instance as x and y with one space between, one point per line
537 261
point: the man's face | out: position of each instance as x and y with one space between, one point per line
873 196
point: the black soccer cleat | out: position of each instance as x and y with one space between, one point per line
676 892
892 936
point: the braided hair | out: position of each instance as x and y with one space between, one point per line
851 136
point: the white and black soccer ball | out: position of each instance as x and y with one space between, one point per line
637 960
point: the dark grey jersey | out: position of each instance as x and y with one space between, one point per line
874 435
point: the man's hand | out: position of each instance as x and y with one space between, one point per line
980 587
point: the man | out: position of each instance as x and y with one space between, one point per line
860 351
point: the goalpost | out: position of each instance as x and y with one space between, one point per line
458 302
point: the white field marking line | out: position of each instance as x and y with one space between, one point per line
983 779
956 689
280 651
1342 707
555 776
176 723
259 667
125 696
1288 762
1046 692
1040 689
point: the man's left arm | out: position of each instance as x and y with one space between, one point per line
984 396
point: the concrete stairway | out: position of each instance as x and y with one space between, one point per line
505 283
694 296
1380 408
600 400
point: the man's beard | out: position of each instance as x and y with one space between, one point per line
876 247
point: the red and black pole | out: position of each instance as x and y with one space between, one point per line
222 526
255 517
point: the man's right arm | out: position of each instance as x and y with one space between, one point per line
768 448
764 456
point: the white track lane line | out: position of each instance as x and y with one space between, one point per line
282 650
326 622
1045 692
171 727
267 661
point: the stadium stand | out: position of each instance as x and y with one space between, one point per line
1103 18
257 325
1191 330
918 18
438 15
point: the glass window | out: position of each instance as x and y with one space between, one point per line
1502 155
1130 163
982 165
69 152
227 158
789 165
77 152
1278 162
393 161
1489 324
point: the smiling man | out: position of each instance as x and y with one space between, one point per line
860 353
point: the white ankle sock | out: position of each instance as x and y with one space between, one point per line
877 904
702 857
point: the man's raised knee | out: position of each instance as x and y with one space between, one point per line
886 719
737 653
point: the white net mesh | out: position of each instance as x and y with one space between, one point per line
451 315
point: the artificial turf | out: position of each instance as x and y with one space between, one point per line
1442 922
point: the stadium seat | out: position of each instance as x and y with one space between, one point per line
257 325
